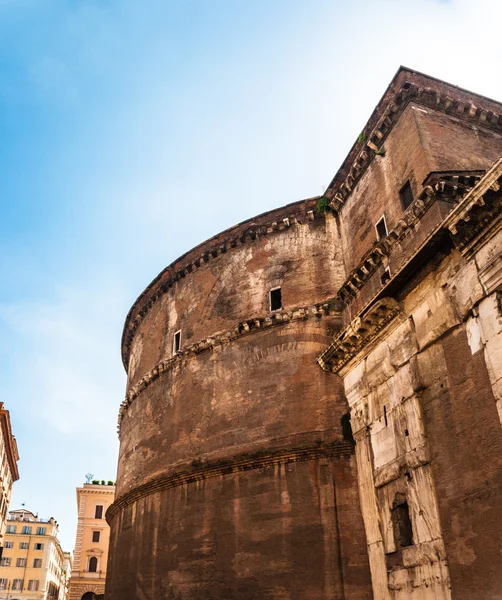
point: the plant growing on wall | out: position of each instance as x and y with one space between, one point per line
322 204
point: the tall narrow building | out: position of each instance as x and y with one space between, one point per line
314 396
90 557
8 468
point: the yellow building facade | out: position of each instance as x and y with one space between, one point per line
32 566
8 468
88 576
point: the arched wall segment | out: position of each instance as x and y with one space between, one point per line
234 478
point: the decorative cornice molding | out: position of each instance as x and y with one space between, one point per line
329 307
478 212
9 442
477 215
243 462
356 336
372 139
241 234
449 188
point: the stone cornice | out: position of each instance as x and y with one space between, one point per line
244 462
356 336
406 87
477 215
448 188
9 442
478 212
248 231
218 339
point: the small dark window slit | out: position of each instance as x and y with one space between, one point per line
275 299
385 415
381 228
177 342
406 195
347 428
402 523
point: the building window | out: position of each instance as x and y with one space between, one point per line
40 530
17 584
385 276
37 563
275 299
406 195
33 585
403 530
21 562
9 545
347 428
11 529
27 530
24 545
95 536
98 513
3 584
5 561
93 564
177 342
381 228
39 546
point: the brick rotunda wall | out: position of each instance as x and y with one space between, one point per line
235 479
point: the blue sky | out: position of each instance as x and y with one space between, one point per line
131 131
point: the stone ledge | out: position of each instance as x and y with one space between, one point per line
448 188
246 232
243 462
243 328
361 331
373 137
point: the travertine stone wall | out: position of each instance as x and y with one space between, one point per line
424 399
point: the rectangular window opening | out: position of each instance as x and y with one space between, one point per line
95 536
406 195
98 514
385 415
177 342
381 228
275 299
385 276
403 529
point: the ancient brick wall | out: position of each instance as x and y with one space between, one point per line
238 473
235 478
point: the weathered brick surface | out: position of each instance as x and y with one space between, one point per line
465 440
270 533
236 479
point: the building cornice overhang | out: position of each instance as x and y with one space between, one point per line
270 222
243 328
199 470
408 86
448 188
471 223
10 442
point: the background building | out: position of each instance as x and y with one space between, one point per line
90 557
314 395
32 566
8 468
